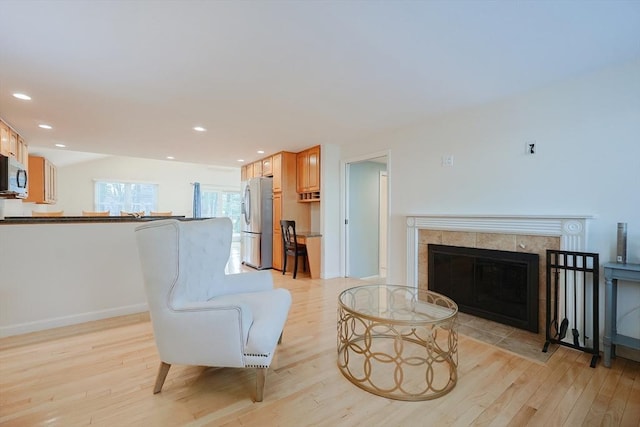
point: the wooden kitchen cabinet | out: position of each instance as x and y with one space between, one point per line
257 169
308 174
13 145
246 172
276 169
267 166
277 236
313 166
285 204
42 182
5 136
22 153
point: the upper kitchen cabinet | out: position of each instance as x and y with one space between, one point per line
5 132
267 166
12 144
23 151
246 172
308 175
42 181
276 169
257 169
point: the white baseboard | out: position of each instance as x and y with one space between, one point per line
41 325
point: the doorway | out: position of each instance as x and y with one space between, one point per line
366 218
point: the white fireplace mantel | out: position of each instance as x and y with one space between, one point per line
572 230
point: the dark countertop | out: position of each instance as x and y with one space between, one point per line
305 233
83 219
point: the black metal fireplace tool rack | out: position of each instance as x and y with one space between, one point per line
572 301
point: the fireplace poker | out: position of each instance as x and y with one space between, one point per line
556 302
584 304
565 322
574 331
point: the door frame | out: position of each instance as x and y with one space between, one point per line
344 211
383 224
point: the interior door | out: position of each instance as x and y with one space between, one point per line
363 218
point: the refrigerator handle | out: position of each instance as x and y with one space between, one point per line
246 205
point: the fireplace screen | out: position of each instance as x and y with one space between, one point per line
497 285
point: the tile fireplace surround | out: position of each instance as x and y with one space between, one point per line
533 234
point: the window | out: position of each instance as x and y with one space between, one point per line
125 196
218 203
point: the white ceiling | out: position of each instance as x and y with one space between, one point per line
133 77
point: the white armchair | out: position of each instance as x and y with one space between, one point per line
200 315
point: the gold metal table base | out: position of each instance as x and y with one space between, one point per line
398 360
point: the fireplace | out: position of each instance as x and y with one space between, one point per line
516 233
497 285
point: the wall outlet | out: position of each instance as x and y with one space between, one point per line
447 160
530 147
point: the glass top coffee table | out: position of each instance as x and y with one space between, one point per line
398 341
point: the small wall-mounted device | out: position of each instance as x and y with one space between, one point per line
530 147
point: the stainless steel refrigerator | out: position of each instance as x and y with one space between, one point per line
257 227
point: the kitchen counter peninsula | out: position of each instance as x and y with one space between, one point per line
59 271
85 219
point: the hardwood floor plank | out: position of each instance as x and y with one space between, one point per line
614 413
559 415
582 405
631 414
595 416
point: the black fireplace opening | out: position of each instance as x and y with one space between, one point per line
497 285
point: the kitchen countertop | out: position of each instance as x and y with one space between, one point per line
9 220
308 233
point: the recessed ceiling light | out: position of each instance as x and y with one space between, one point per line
170 157
199 129
241 160
260 151
22 96
43 126
60 145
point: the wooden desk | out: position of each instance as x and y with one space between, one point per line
313 240
612 272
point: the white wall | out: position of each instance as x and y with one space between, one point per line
587 131
175 192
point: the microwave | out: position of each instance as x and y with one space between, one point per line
13 178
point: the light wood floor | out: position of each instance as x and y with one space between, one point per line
105 377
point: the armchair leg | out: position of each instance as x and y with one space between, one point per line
261 376
163 370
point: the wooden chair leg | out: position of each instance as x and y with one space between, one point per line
163 370
284 267
295 266
280 339
261 376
